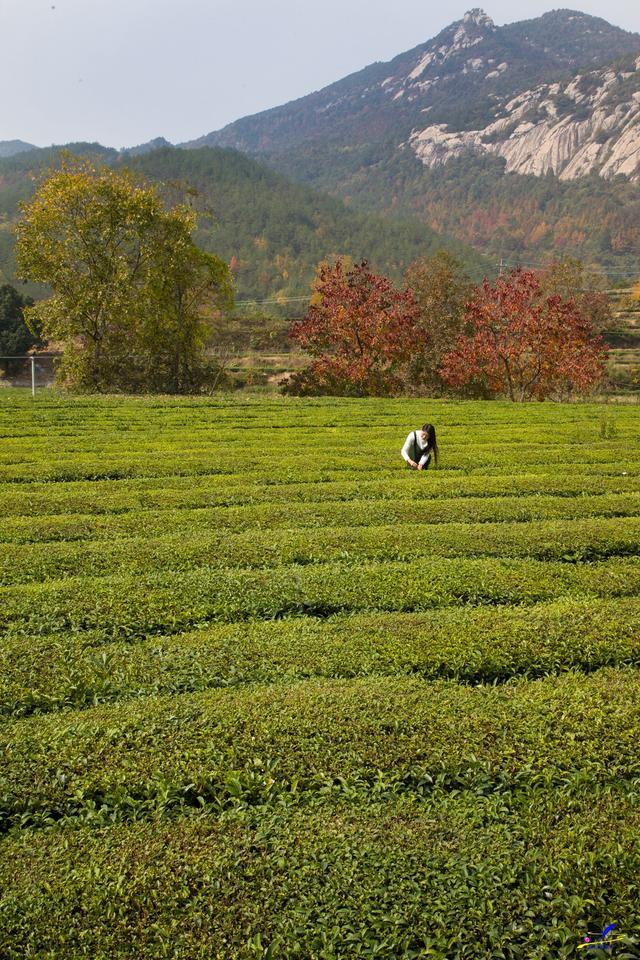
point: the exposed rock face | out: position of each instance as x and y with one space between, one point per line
589 125
446 55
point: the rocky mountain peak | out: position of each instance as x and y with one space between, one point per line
459 82
446 54
474 27
479 18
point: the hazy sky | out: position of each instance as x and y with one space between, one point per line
124 71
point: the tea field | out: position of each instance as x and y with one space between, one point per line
265 693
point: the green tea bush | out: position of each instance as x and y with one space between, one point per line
22 503
264 693
526 876
468 644
570 540
134 606
259 742
143 524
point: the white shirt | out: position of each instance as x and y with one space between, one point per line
408 445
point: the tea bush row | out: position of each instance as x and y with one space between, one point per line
573 540
301 466
265 740
526 875
21 504
137 606
352 513
473 645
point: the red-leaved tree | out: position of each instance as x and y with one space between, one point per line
360 330
524 344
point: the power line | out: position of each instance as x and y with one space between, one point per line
501 264
604 272
251 303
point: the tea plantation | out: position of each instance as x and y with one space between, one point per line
265 693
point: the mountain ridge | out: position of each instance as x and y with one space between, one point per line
11 148
522 140
439 133
387 99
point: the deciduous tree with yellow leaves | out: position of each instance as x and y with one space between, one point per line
131 292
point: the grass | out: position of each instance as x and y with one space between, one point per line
266 694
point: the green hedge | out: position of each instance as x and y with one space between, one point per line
22 503
128 760
146 523
44 673
453 878
300 467
573 540
136 606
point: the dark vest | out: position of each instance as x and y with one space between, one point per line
418 451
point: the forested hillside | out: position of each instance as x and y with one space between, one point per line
273 232
9 148
525 219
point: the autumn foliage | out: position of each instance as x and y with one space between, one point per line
525 344
361 332
525 336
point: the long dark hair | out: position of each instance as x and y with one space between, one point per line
432 443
